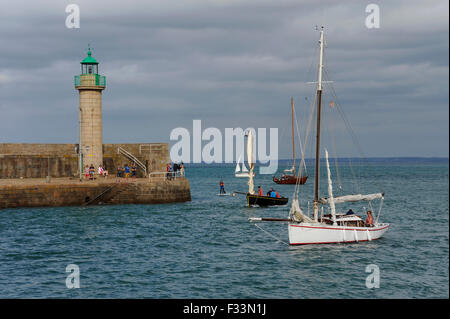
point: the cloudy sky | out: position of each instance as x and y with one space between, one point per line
229 63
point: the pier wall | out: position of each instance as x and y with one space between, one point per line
61 160
79 193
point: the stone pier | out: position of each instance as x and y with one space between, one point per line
32 192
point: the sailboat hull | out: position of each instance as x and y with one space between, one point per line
289 179
305 233
265 200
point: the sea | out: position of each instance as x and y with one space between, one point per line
207 248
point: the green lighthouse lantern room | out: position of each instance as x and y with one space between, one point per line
89 73
89 65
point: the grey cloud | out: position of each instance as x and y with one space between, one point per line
229 63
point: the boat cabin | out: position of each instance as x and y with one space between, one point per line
344 220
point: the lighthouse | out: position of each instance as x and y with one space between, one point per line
90 85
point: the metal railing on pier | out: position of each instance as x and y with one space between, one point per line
133 158
165 176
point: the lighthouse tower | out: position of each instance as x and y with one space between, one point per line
90 85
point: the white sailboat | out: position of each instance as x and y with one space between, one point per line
238 172
332 227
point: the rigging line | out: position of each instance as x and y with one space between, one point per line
308 130
329 126
334 149
299 139
352 132
343 115
278 239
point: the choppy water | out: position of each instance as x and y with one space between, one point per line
207 249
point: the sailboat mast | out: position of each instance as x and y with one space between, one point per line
319 107
293 141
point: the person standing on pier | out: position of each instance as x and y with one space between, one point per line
86 172
119 172
133 171
127 171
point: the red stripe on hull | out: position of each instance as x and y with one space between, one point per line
314 227
333 242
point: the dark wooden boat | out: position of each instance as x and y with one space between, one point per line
291 179
265 200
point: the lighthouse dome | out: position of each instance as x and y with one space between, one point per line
89 59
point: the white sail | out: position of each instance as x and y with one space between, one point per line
352 198
330 191
289 170
244 168
251 188
238 169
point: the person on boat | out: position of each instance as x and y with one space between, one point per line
369 219
277 195
350 212
222 187
273 193
269 192
260 191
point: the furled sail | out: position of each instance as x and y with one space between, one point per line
250 160
352 198
297 213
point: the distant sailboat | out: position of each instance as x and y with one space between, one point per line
292 178
238 172
253 198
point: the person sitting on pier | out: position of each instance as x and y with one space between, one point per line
369 220
100 170
260 191
105 172
91 172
